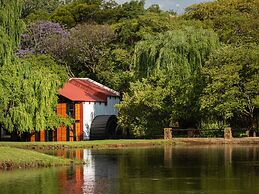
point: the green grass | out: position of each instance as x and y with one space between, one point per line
19 158
87 144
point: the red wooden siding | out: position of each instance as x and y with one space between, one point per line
33 138
60 134
78 121
42 136
61 131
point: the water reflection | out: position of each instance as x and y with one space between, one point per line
196 169
99 171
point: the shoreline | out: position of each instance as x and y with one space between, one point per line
17 155
125 143
16 158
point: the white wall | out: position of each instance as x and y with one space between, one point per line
92 109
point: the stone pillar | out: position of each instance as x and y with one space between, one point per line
168 134
191 132
228 133
248 133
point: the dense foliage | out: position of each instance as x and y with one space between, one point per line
171 64
199 69
28 87
10 28
232 91
235 21
29 94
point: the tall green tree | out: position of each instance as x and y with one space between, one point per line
181 52
10 29
236 21
33 6
28 92
85 50
28 88
232 90
170 64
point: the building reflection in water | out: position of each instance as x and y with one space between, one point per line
71 178
93 177
99 171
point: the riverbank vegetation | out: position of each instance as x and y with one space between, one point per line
11 158
97 144
199 69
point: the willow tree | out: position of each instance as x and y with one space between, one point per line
171 63
28 92
10 28
28 87
180 52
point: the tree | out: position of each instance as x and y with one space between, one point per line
236 21
33 10
154 8
83 48
100 12
30 6
86 49
29 95
10 28
41 36
187 49
232 85
130 10
130 31
170 64
116 72
75 13
143 110
28 88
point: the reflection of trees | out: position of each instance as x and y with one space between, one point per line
208 169
186 169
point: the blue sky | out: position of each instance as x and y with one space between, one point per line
176 5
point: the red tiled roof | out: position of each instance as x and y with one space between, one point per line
86 90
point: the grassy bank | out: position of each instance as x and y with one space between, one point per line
88 144
106 144
11 158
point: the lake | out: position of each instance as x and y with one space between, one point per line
169 169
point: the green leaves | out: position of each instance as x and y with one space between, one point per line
142 109
29 94
10 29
233 82
181 52
170 64
235 21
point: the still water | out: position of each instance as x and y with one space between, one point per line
184 169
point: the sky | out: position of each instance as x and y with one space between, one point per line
176 5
